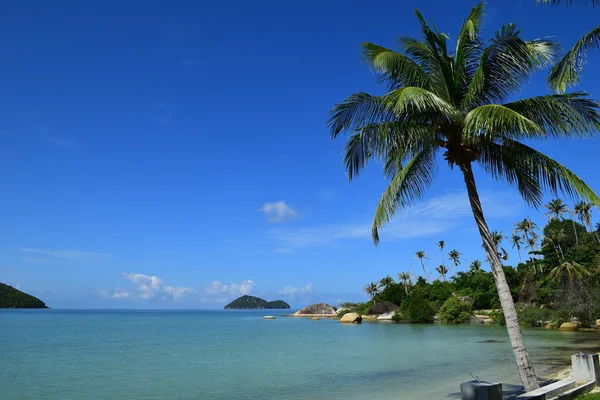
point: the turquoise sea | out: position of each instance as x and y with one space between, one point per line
65 354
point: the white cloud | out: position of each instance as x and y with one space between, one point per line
37 260
150 287
431 217
103 293
71 255
278 211
220 292
121 295
292 292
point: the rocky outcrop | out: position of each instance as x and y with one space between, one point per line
382 308
597 324
386 316
341 310
316 318
319 309
568 327
351 318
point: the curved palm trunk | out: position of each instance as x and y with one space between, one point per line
524 364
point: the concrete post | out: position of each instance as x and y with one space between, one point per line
586 368
476 390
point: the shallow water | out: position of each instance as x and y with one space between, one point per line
61 355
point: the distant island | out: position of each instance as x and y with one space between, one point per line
256 303
14 298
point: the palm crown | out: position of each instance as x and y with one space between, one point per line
455 102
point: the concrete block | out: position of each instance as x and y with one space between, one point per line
586 368
476 390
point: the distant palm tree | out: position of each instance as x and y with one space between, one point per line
441 244
556 209
527 228
583 210
386 282
568 270
421 255
442 271
371 289
555 237
475 266
532 244
456 104
405 280
517 241
454 255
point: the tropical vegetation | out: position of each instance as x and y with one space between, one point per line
11 297
459 102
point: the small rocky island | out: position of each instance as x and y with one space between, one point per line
256 303
14 298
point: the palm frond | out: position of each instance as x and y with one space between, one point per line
408 186
396 69
392 142
569 2
566 72
572 114
468 47
505 65
414 102
358 110
532 172
493 120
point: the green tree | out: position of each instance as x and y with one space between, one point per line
442 271
454 255
583 210
453 101
527 228
441 244
386 282
455 311
371 289
556 209
417 309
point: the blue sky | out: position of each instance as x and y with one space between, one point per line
175 154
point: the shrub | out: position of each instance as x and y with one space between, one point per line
533 317
497 317
417 309
397 317
455 311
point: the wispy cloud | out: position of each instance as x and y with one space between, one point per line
37 260
222 293
59 141
292 292
278 211
427 218
70 255
151 287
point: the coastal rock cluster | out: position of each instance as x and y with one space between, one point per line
317 310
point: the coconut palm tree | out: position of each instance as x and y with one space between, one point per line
527 228
386 282
421 255
583 210
442 271
405 280
555 237
453 101
441 244
454 255
516 242
475 266
556 209
371 289
568 270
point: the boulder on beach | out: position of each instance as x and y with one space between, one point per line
341 310
269 317
316 318
351 318
597 324
321 309
382 308
568 327
386 316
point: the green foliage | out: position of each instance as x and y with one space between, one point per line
13 298
255 303
455 311
497 317
417 309
394 293
397 317
440 291
479 286
533 317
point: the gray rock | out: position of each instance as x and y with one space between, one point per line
317 309
386 316
382 308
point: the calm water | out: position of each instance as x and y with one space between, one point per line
61 355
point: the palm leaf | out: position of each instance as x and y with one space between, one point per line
358 110
494 120
414 102
396 69
505 65
566 72
406 187
467 48
573 114
532 172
